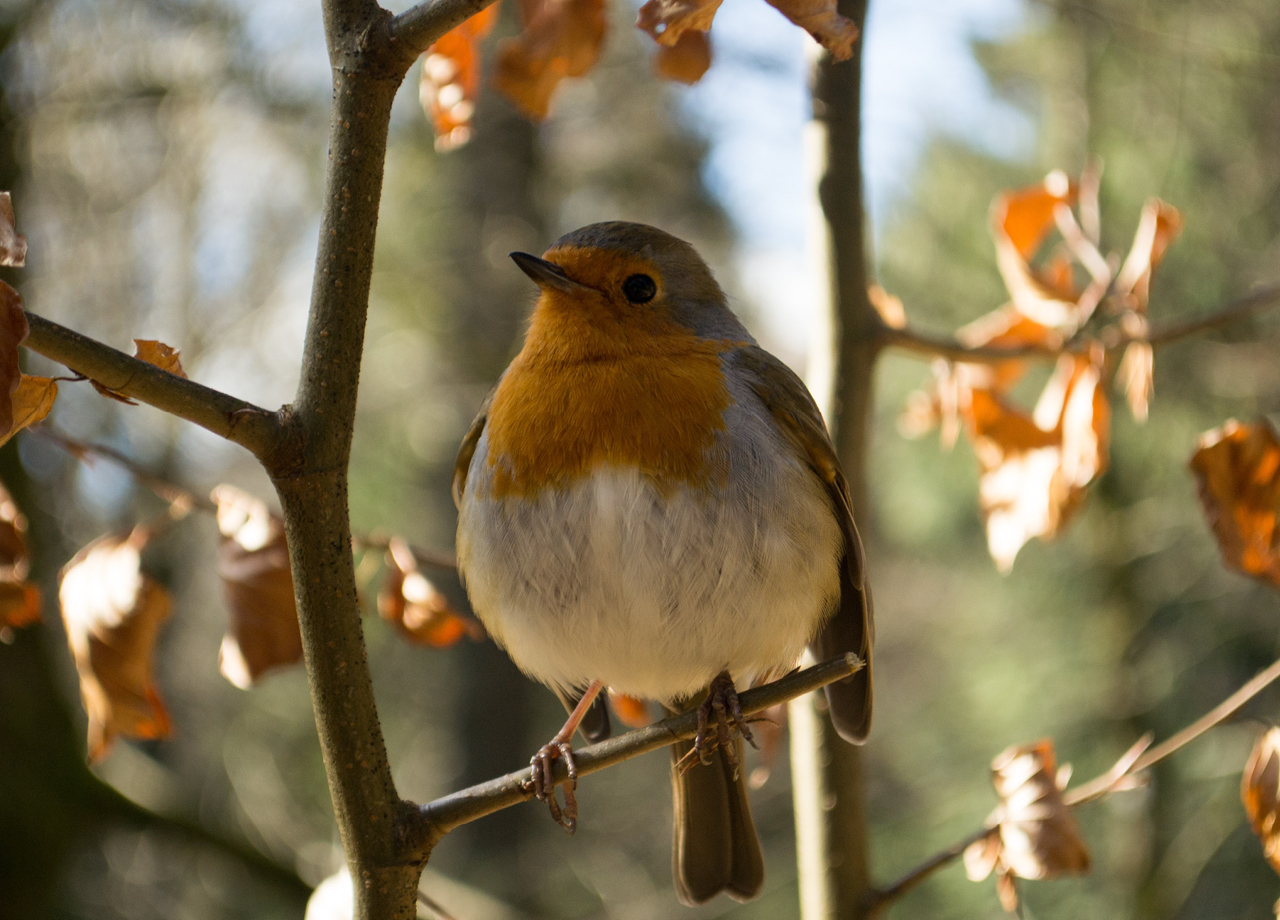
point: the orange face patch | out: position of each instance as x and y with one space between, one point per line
602 383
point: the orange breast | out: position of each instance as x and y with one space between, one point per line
583 396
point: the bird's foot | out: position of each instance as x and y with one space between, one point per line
721 705
543 784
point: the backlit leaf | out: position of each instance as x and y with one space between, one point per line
1237 468
1034 834
13 246
1158 226
159 354
450 82
112 613
19 600
32 401
253 563
1020 222
561 38
685 61
820 19
420 612
1260 792
13 330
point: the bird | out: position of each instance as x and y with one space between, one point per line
650 502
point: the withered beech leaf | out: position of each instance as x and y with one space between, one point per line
1136 375
1020 222
13 246
820 19
450 82
1034 469
1260 792
253 563
1237 469
19 599
104 390
159 354
418 610
666 21
112 613
685 61
13 329
561 38
1034 834
32 401
1158 226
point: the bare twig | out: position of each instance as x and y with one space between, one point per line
1097 788
942 346
244 423
417 27
426 824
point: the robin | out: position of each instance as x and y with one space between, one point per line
650 502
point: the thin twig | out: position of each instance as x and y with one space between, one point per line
926 343
1095 789
174 493
419 26
426 824
234 419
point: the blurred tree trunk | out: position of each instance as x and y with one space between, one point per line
831 817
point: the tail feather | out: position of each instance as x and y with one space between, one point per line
715 846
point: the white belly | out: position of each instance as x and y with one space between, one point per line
654 595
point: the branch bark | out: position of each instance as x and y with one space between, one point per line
834 872
251 427
942 346
419 26
435 819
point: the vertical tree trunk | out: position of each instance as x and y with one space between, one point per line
831 819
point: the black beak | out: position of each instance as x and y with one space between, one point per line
546 274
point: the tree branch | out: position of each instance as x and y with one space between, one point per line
249 426
419 26
426 824
941 346
1096 788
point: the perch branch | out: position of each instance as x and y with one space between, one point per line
244 423
942 346
1096 788
419 26
426 824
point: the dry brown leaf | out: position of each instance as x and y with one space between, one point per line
112 613
13 330
631 711
104 390
20 601
1020 222
1260 792
450 82
253 563
889 308
1136 375
159 354
820 19
1237 468
13 246
420 612
1034 834
32 401
666 21
685 61
1034 469
561 38
1158 227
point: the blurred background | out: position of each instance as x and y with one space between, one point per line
166 158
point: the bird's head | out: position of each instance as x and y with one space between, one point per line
622 282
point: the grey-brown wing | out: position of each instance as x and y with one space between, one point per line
851 628
467 450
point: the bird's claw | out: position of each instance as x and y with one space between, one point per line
543 783
722 704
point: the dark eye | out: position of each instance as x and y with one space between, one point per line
639 288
